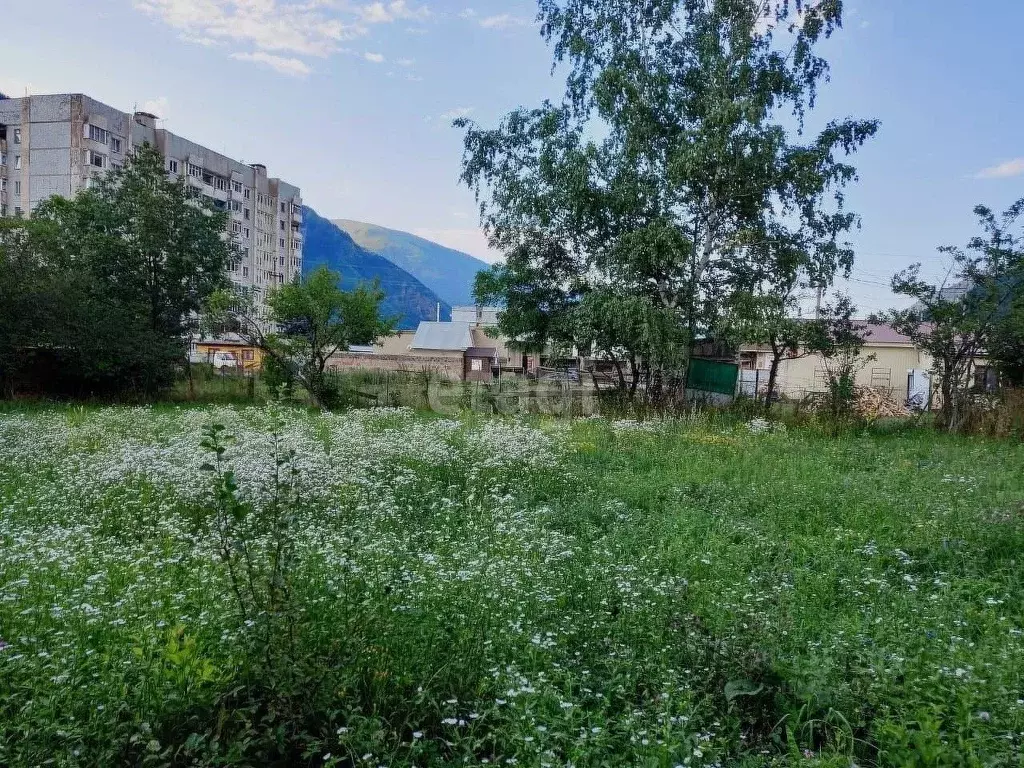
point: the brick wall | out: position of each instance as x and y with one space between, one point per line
449 367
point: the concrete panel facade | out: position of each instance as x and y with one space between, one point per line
67 140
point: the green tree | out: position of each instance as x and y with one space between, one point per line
977 305
1006 348
136 256
26 304
771 319
627 212
310 321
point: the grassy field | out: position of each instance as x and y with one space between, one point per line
380 588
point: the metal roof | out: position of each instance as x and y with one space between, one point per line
446 336
875 333
489 352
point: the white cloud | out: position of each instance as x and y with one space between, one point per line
456 112
383 13
158 106
282 64
278 31
405 62
376 58
1006 170
504 21
469 13
269 25
206 42
414 78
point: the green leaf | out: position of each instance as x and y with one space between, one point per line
736 688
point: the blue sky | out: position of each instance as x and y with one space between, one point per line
353 99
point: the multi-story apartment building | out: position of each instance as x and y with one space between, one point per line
56 144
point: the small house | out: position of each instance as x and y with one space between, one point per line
480 363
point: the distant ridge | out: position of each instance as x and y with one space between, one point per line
447 272
405 296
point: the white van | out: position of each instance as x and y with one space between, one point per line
225 362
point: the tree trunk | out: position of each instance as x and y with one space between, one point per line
622 377
191 381
773 375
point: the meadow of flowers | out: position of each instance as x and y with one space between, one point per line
382 588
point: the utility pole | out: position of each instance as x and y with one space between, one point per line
817 303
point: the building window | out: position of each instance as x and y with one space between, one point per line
17 187
245 271
236 227
280 243
195 171
115 144
281 261
284 208
236 186
98 134
282 225
97 160
17 212
246 233
476 365
17 162
3 158
245 194
17 135
245 214
220 183
172 166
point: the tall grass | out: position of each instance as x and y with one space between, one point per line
462 591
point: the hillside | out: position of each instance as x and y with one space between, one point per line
406 297
445 271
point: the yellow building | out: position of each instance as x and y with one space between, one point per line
895 358
228 355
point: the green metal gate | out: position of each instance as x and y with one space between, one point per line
712 376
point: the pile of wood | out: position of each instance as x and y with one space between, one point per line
871 403
878 403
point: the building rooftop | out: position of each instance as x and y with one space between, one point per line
875 333
446 336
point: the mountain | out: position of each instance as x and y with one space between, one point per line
405 296
447 272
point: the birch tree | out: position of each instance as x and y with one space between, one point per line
629 206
